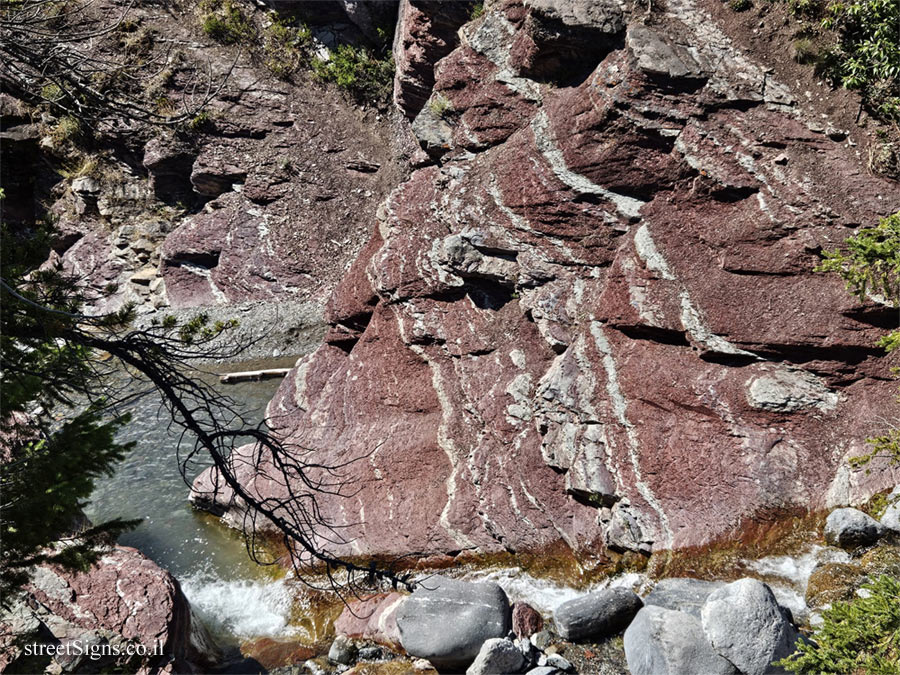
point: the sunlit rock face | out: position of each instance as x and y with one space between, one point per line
123 598
593 319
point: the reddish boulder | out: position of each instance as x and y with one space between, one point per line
123 598
373 618
526 620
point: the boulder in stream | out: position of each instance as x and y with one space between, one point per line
526 620
447 621
685 595
891 516
851 528
373 618
597 615
745 624
498 655
124 598
664 641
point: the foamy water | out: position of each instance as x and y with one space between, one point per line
234 597
241 608
788 576
797 569
546 595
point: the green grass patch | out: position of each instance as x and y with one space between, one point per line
286 47
68 128
805 51
358 71
226 23
440 106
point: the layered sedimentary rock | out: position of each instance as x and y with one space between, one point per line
594 318
426 32
294 171
267 197
124 599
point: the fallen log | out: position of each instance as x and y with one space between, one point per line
244 376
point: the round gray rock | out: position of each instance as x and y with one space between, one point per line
498 655
597 615
342 651
850 528
664 641
446 621
685 595
559 662
743 623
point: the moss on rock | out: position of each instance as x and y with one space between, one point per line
834 581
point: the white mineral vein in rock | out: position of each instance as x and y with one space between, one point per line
620 409
445 441
540 125
691 319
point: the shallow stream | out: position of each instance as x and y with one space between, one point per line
236 598
239 600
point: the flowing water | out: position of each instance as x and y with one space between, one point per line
236 598
788 575
546 595
239 600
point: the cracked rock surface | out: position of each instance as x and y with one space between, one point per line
591 317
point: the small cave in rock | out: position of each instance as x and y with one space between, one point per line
346 333
729 360
730 194
677 85
654 334
205 259
487 294
805 353
879 316
565 56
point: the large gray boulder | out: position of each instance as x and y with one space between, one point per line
891 517
664 641
850 528
597 615
743 623
686 595
498 655
446 621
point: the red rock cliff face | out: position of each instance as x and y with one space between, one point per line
594 320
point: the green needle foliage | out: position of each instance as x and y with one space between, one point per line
57 438
871 265
358 71
60 406
861 636
867 57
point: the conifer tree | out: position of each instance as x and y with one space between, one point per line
57 434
